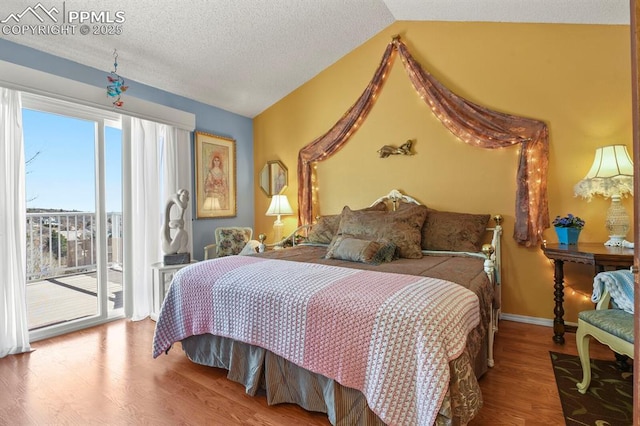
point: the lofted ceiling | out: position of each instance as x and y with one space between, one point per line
245 55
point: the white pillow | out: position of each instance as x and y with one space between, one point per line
250 248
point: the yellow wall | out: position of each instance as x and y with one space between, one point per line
576 78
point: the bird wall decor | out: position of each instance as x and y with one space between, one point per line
404 149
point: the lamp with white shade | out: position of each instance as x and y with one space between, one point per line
279 206
611 176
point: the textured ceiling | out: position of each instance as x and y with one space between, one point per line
245 55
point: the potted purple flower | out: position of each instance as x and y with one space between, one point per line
568 228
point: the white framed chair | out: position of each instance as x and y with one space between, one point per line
607 324
229 241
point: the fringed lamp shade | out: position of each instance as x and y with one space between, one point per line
610 176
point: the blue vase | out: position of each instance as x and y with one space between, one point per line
567 235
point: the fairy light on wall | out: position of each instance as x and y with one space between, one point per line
580 294
454 113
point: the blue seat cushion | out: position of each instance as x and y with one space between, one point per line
613 321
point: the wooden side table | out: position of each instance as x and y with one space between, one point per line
161 278
596 254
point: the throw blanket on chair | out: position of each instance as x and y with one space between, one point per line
390 336
620 286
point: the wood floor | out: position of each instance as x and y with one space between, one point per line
105 375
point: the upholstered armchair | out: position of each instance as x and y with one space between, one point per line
611 323
229 241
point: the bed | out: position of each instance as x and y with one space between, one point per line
373 319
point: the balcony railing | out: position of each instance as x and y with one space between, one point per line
65 242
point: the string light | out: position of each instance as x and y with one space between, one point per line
428 90
580 294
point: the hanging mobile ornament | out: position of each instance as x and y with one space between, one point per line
116 83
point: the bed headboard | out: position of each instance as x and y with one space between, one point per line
393 198
476 223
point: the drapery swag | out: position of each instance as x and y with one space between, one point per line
470 122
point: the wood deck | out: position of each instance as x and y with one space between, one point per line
69 297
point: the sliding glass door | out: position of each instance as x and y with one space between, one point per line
74 216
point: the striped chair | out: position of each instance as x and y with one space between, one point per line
608 324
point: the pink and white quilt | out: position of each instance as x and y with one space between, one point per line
391 336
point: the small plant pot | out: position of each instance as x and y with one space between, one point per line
568 236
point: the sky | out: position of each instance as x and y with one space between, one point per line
62 175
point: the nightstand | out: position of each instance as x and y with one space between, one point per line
596 254
161 278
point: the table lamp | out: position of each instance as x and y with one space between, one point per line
279 206
611 176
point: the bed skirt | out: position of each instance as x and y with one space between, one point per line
284 382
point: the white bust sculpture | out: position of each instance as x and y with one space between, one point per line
179 243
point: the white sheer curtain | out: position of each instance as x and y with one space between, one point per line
14 330
160 165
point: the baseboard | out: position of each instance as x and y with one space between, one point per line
532 320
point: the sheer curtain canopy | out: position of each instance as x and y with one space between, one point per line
470 122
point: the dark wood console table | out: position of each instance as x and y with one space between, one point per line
595 254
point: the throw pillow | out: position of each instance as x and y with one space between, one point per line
327 226
452 231
345 247
403 227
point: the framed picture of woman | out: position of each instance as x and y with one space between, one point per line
274 178
215 176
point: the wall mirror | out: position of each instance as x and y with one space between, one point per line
274 178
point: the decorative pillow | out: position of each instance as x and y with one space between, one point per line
402 227
324 230
454 231
231 241
327 226
345 247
